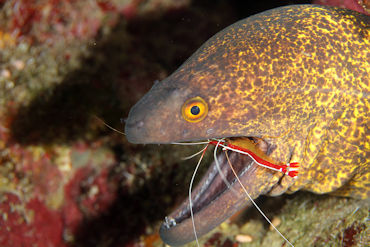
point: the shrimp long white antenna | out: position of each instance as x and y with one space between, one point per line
218 165
190 188
189 143
255 204
108 126
219 168
193 155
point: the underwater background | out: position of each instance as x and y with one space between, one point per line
66 179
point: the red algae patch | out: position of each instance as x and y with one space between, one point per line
88 194
28 224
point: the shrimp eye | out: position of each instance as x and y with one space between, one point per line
194 109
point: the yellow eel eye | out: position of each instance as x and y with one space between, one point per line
194 109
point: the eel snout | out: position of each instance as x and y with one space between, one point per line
213 201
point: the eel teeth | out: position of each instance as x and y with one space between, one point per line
169 222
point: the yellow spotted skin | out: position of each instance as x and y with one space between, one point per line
297 77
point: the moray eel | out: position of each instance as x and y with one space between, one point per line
292 82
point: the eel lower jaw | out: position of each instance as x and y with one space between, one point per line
212 200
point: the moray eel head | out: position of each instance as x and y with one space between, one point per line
294 81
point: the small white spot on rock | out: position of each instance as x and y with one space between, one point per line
210 131
9 85
275 221
5 73
243 238
18 64
94 190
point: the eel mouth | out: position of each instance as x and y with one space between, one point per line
213 201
